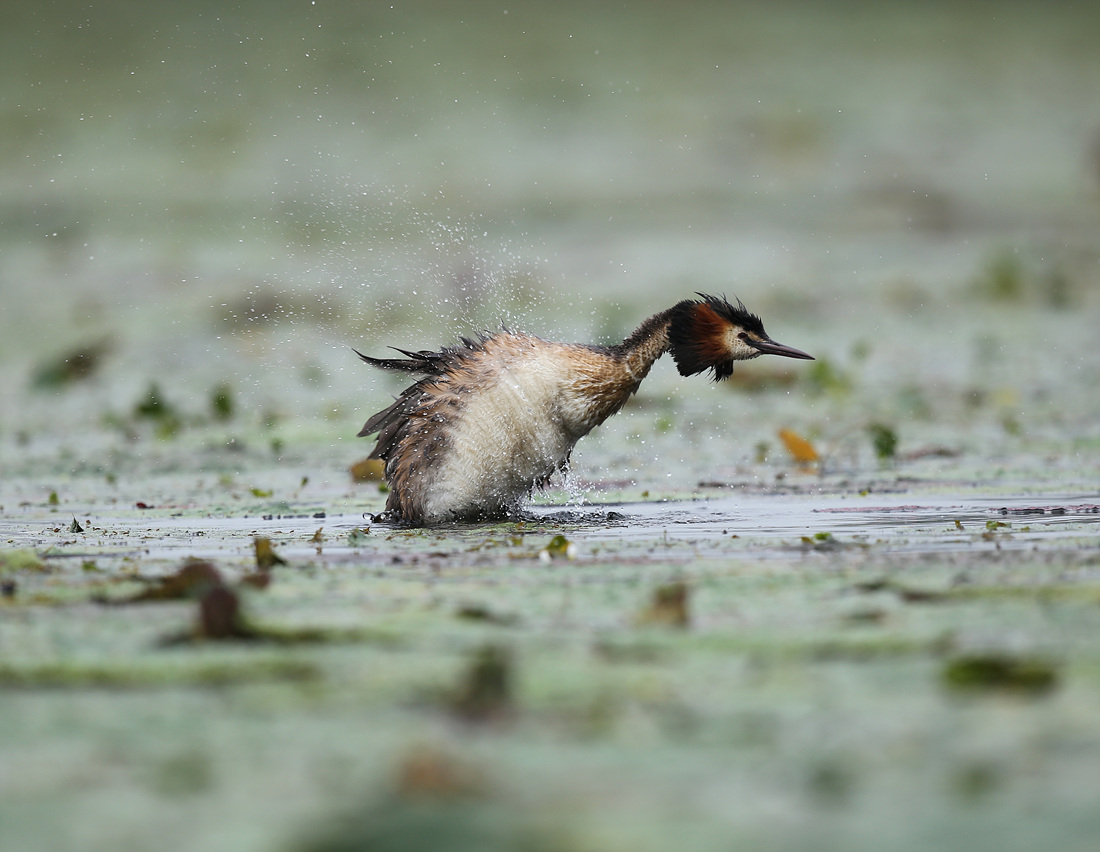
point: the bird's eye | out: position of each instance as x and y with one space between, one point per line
744 335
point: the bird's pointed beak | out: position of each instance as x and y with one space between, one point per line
770 347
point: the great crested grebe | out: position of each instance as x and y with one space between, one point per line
495 418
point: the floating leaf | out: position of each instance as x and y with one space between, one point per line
801 450
153 406
157 410
865 615
1003 279
824 542
669 606
911 595
359 536
317 537
932 452
192 580
484 693
261 492
479 612
885 441
368 470
220 616
75 526
76 365
559 548
221 402
1000 672
266 556
428 772
257 579
53 499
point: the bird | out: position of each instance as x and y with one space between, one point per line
495 417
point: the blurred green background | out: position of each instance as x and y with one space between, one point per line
232 195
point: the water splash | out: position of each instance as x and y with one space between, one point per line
577 491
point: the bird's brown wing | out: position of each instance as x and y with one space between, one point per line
388 422
413 401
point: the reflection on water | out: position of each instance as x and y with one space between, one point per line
936 523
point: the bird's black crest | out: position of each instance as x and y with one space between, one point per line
737 314
697 334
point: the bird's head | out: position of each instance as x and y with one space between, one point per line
711 334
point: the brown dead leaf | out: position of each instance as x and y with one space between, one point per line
431 773
801 450
480 612
484 693
257 579
192 580
669 607
220 616
266 556
72 366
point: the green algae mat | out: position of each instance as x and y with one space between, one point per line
844 670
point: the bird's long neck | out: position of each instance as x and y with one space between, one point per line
603 384
649 342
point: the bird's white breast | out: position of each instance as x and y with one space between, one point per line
509 437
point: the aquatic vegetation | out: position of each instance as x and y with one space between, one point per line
825 378
17 560
1011 276
266 557
669 607
75 365
559 547
359 537
484 691
993 672
222 404
884 439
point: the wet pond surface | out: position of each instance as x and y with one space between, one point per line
766 525
935 523
809 669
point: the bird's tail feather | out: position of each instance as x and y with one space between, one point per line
428 363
